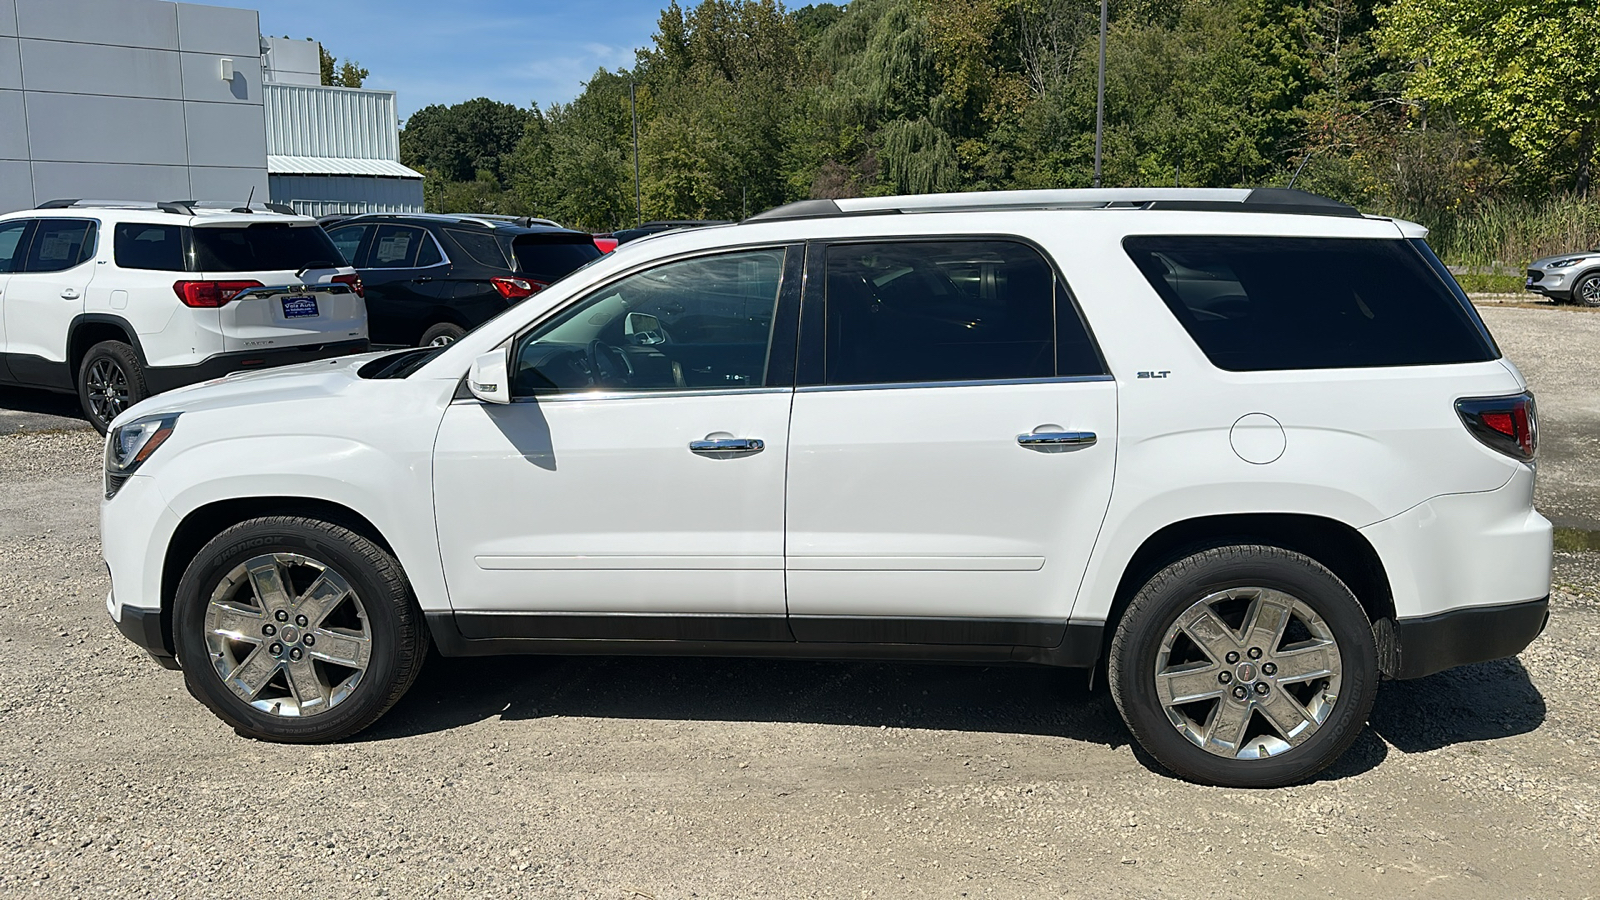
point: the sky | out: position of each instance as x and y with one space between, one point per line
447 51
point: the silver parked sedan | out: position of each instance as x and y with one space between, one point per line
1568 278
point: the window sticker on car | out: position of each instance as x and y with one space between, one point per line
299 307
394 247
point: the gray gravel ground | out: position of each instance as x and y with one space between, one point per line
626 778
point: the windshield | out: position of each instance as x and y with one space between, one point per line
266 246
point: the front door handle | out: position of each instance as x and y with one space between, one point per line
69 294
727 446
1057 439
423 280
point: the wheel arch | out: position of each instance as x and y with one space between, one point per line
89 329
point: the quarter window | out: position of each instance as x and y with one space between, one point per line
696 324
484 248
948 311
60 244
144 246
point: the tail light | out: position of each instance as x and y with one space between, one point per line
514 289
210 294
1507 424
355 283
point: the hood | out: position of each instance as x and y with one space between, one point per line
1590 256
322 378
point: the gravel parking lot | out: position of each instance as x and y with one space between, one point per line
662 778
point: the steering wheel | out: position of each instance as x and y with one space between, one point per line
608 365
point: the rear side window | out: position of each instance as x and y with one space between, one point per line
60 244
263 247
483 248
400 247
948 311
1264 303
141 246
348 240
547 257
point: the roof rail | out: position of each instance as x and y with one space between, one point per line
1258 200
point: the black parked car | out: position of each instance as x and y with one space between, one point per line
430 278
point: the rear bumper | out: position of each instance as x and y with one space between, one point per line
166 378
1412 648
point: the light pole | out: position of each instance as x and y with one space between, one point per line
638 195
1100 97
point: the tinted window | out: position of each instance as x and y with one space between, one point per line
483 248
269 246
549 257
428 252
699 323
10 237
141 246
395 247
1258 303
946 311
59 244
348 240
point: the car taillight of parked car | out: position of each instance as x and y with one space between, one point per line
355 283
1507 424
605 242
515 289
210 294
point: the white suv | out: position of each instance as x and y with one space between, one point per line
116 302
1243 452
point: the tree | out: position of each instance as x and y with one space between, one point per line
350 74
1526 73
459 141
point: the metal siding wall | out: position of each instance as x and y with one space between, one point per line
323 121
326 195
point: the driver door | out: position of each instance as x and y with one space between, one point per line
634 488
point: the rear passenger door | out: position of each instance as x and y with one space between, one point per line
405 278
952 445
44 296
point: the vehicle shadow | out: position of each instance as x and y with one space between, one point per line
40 404
1479 702
999 699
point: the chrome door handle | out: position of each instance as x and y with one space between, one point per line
69 294
1057 439
719 446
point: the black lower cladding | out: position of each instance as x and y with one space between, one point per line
1428 644
145 628
165 378
1043 642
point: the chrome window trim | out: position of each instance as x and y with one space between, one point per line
674 393
984 382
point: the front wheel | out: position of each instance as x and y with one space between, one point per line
110 379
442 335
1587 291
1244 666
297 630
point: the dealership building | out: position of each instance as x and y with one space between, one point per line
151 100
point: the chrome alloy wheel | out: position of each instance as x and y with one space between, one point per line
107 388
443 340
288 635
1248 673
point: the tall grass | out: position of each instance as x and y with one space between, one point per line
1509 233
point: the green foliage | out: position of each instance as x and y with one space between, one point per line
1477 118
350 74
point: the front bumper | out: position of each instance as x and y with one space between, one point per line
1412 648
166 378
145 628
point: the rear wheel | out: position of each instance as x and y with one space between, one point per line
297 630
1587 291
1244 666
110 379
441 335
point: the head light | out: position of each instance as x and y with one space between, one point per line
128 446
1570 261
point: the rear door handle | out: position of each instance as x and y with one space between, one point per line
727 446
1057 439
69 294
423 280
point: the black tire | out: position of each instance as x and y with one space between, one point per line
398 636
110 379
1586 290
1176 591
442 333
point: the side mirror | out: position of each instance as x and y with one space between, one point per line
643 328
488 380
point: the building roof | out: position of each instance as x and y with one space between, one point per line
338 165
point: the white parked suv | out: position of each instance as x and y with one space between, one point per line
1243 452
118 301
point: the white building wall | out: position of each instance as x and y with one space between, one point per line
125 100
288 61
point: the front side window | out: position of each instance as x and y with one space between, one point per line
60 244
348 240
138 245
701 323
11 244
937 311
1268 303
